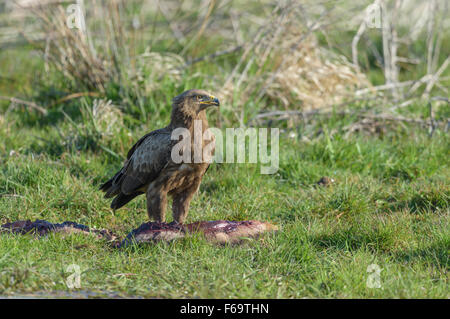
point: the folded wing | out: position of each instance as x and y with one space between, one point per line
144 163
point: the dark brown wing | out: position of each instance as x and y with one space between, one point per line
138 143
145 160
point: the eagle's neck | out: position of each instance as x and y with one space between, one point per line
185 119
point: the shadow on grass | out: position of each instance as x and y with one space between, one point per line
433 199
353 239
210 188
53 117
78 294
435 254
46 146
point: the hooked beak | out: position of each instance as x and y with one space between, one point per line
210 100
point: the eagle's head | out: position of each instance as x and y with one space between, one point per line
192 102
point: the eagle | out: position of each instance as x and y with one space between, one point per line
150 168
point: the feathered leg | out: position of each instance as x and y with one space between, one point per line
181 202
156 205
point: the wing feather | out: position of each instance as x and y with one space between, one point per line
146 160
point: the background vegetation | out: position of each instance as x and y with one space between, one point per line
367 107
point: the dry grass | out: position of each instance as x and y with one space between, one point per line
70 51
310 77
277 62
292 70
106 117
150 67
103 53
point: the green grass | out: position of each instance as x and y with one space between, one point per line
389 204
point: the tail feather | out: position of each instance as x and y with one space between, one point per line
104 187
113 188
110 189
116 180
123 199
113 191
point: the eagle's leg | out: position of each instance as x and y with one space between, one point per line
181 201
180 207
156 205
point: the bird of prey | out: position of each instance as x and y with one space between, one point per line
150 169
